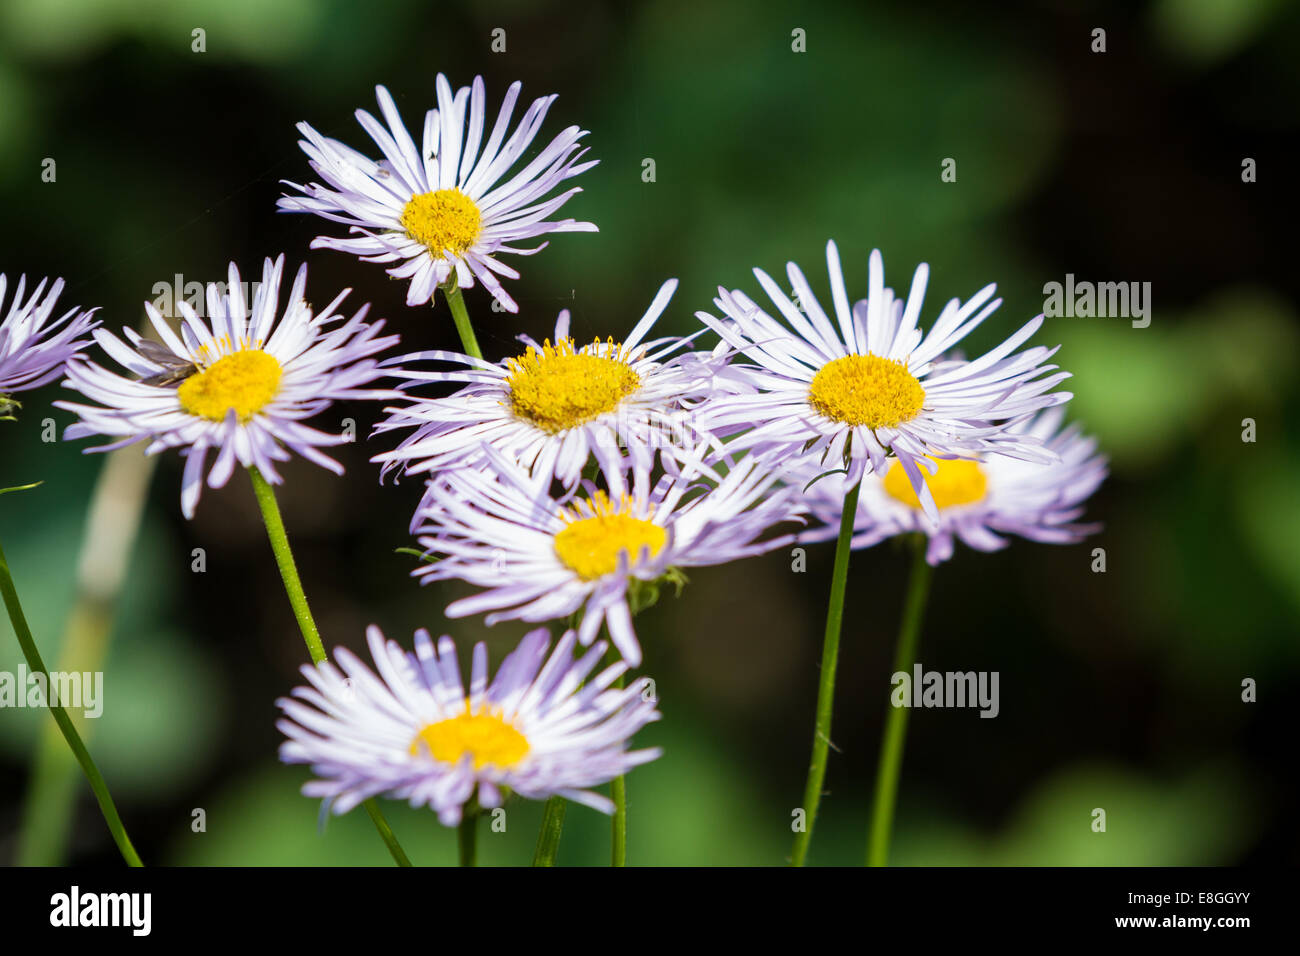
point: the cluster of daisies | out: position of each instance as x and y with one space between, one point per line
569 482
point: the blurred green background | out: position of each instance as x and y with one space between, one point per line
1120 690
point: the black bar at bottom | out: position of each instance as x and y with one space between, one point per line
378 905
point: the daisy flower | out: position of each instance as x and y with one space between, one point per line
540 728
873 388
448 208
242 385
979 501
540 560
556 404
34 349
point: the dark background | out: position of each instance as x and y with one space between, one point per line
1119 690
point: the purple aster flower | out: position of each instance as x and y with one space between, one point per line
34 349
543 726
874 388
449 208
242 384
979 501
540 560
557 404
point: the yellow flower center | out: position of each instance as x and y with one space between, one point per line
866 390
561 387
957 482
245 381
486 736
445 220
598 531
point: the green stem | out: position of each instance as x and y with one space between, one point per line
548 840
385 832
467 838
618 828
895 733
826 689
112 525
288 568
461 317
310 634
61 717
618 793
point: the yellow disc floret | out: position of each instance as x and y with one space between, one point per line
245 381
562 387
486 736
597 531
866 390
957 482
445 220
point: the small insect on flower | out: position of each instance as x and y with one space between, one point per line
545 725
874 391
34 349
444 211
979 501
243 386
174 368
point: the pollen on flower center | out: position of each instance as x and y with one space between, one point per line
561 387
957 482
245 381
598 531
445 220
485 736
866 390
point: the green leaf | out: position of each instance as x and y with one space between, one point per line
34 484
824 474
424 556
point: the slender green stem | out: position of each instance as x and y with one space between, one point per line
385 832
112 525
310 634
461 317
467 838
618 792
895 734
33 656
548 840
288 567
826 689
618 828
